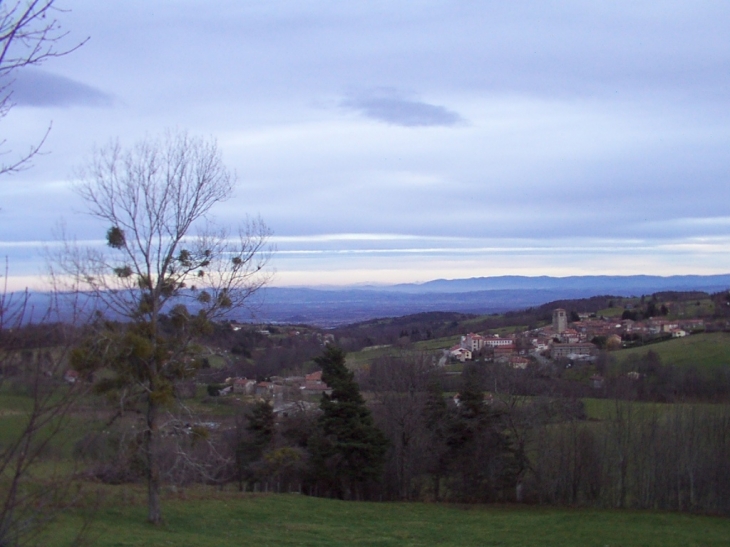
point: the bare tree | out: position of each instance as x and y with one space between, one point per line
30 34
165 281
400 386
33 360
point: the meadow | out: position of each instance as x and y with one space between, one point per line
210 517
705 351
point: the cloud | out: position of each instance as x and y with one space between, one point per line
41 89
393 107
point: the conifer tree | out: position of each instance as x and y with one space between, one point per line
480 453
347 450
436 419
259 432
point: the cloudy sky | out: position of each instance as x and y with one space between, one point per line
406 141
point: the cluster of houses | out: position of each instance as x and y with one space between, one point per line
293 387
499 349
325 339
561 340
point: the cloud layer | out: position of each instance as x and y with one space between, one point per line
390 106
32 87
543 138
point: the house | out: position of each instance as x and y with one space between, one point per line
497 342
460 354
678 333
691 324
572 351
313 383
476 342
264 389
244 386
315 387
472 342
314 377
503 351
569 336
657 326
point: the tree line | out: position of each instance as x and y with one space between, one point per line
404 438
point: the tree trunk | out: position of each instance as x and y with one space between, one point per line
154 510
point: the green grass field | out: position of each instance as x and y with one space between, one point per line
437 343
230 519
605 409
702 350
610 312
358 359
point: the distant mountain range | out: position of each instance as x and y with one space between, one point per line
329 307
340 305
605 284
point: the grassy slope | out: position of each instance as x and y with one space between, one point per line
702 350
233 520
358 359
605 409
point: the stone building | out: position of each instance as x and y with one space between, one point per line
560 320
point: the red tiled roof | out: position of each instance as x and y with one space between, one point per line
314 377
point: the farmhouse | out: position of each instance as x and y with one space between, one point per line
460 354
244 386
313 383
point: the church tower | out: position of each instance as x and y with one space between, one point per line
560 320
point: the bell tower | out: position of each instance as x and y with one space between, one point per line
560 320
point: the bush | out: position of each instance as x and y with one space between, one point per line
214 390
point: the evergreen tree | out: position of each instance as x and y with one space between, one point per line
347 450
436 419
259 432
480 452
261 424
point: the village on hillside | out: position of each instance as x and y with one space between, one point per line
577 340
570 338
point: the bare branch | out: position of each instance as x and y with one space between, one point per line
30 34
152 196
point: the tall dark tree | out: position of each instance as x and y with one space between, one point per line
436 418
256 437
480 452
347 450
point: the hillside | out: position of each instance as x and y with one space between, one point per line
700 350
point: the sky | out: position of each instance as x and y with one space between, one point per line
389 142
